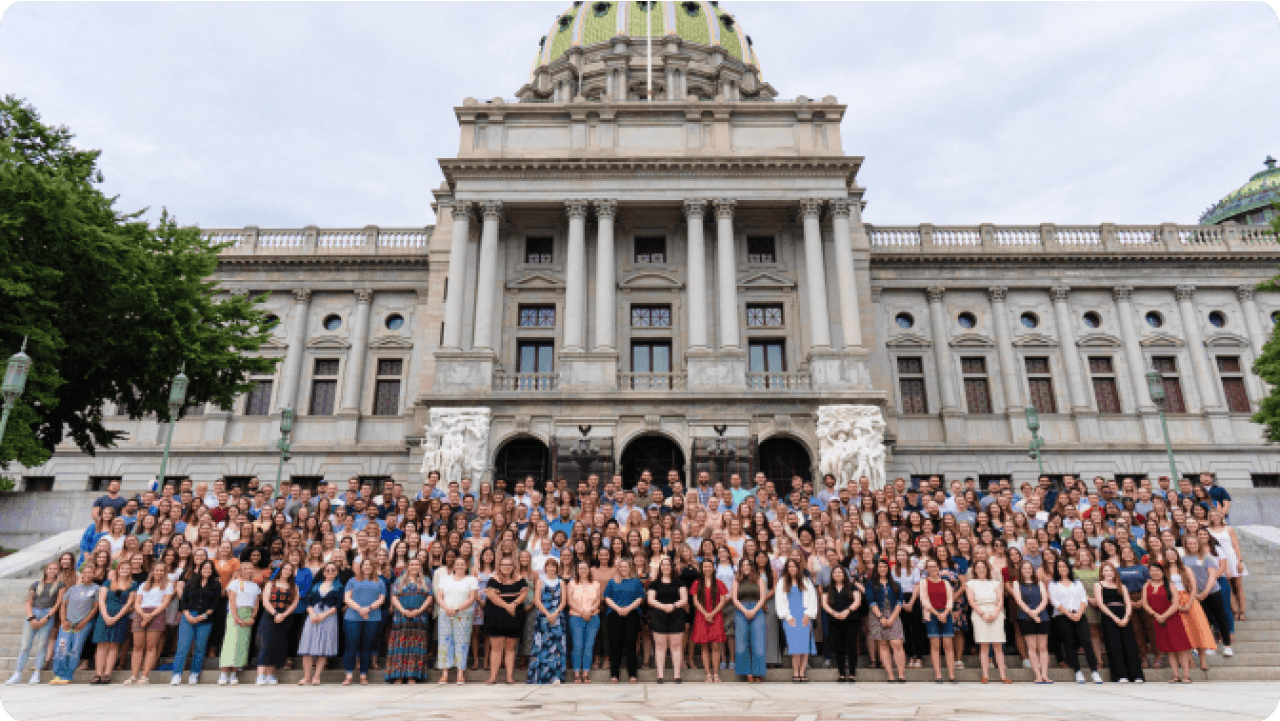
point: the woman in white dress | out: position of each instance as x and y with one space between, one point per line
986 598
1232 561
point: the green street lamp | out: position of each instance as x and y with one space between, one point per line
15 381
1033 425
286 427
177 399
1155 387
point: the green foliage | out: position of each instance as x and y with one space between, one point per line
1267 365
112 306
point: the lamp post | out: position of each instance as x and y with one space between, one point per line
286 427
177 399
15 381
1155 387
1033 425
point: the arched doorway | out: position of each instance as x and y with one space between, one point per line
520 458
654 453
781 458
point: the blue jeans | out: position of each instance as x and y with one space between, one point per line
66 652
187 633
749 643
584 641
360 637
35 639
1225 586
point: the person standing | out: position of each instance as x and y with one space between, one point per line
623 597
320 630
1171 636
668 599
751 590
1069 600
407 649
279 600
200 595
546 662
148 623
364 595
43 599
504 617
797 609
1205 568
841 602
1113 602
709 598
456 599
1032 597
79 608
243 597
986 598
115 601
584 620
885 622
937 597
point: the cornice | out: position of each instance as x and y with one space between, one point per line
327 260
721 166
892 259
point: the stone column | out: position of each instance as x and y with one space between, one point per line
1014 405
941 350
606 282
353 380
850 319
1206 382
291 373
695 209
575 277
487 275
815 273
1253 322
1061 295
457 274
726 274
1134 359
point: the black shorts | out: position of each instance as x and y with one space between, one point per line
663 622
1032 627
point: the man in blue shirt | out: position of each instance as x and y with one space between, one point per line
564 522
1221 499
736 490
391 532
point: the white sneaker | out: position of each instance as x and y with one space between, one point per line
1210 651
262 680
15 678
1226 651
193 679
1137 680
1096 678
35 677
234 679
1079 676
222 679
1122 680
271 681
175 680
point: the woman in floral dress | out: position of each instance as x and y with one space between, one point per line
410 630
546 663
960 607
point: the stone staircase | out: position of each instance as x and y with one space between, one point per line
1257 643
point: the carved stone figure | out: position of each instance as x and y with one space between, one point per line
851 444
457 443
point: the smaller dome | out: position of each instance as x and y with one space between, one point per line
1251 203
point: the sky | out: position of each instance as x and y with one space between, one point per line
282 115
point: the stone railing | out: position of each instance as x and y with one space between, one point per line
778 381
370 240
1048 237
652 381
535 382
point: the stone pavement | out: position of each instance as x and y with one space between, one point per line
648 702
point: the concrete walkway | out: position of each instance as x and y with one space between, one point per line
648 702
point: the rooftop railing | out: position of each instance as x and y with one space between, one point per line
1048 237
327 241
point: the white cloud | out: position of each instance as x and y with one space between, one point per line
282 115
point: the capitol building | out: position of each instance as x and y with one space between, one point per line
649 258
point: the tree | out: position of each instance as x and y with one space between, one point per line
111 306
1267 365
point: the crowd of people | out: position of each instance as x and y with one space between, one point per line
557 580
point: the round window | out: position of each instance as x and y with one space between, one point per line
1029 320
904 320
395 321
600 9
1154 319
966 320
1217 319
332 322
1092 320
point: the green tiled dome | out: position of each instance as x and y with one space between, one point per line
597 21
1261 191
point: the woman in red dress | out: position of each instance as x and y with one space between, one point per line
1171 634
709 597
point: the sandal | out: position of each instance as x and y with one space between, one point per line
130 681
346 681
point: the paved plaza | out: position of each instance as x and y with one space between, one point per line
648 702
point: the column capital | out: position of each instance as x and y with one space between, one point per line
1245 293
607 208
810 208
364 295
695 208
301 295
1185 292
841 207
577 209
935 293
461 210
997 293
724 208
1122 293
491 209
1060 293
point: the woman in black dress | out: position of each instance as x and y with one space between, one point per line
504 617
279 599
668 599
1117 626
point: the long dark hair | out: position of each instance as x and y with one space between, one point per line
713 585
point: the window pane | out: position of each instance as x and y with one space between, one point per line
1038 365
757 358
537 251
910 365
662 358
258 401
760 249
1165 364
1101 365
1041 395
913 400
386 398
640 317
640 359
323 394
755 316
1237 398
1228 364
977 396
1174 403
390 366
528 359
774 357
326 367
1104 391
545 360
973 365
651 250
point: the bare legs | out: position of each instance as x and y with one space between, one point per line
985 649
146 650
104 661
311 668
711 661
1038 653
946 645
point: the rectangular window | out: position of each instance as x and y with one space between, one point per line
537 251
764 316
324 388
37 484
326 367
537 316
760 249
911 385
651 316
1167 366
1265 480
258 401
536 357
651 250
1230 370
651 357
977 393
1104 385
386 387
1040 385
765 357
390 366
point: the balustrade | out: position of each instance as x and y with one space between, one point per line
653 381
542 382
778 381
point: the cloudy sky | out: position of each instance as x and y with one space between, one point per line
286 114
